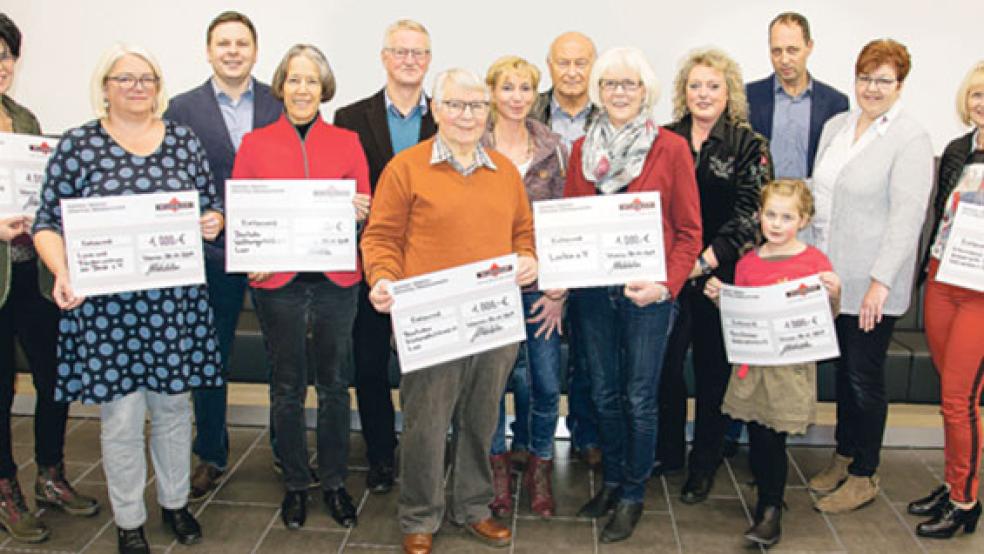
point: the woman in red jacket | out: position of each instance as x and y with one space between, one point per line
625 151
300 145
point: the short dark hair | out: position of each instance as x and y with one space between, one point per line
793 18
10 34
228 17
884 51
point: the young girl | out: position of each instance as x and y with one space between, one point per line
776 401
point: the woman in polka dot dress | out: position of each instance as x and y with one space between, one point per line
139 351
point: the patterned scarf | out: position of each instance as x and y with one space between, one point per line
611 157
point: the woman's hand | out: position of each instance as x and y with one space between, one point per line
11 227
526 270
549 310
361 203
258 276
712 288
644 293
871 306
380 296
211 224
64 296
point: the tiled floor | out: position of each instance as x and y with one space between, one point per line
242 516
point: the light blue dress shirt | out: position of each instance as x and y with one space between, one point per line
238 116
790 143
569 128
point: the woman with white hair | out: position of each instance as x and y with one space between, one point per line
138 351
625 151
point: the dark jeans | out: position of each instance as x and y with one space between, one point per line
862 404
225 293
286 315
698 324
371 342
767 456
582 415
624 345
536 392
34 321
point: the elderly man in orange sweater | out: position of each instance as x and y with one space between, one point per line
443 203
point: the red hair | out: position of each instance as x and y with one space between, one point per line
884 51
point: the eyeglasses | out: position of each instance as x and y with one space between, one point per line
129 80
580 64
611 85
457 107
403 53
881 83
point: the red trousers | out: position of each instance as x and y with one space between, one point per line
955 331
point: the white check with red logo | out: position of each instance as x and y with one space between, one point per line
457 312
23 159
593 241
133 242
788 323
963 258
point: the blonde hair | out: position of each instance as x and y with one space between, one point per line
973 79
737 108
97 85
507 65
405 25
795 188
624 58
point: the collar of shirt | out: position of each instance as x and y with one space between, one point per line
974 145
391 107
556 110
777 87
222 97
880 125
442 153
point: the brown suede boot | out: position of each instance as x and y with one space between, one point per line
502 501
832 476
19 522
537 480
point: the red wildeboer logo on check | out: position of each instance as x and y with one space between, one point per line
802 290
43 148
494 271
637 205
174 205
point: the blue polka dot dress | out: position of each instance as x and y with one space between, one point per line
159 340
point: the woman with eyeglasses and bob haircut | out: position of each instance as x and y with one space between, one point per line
732 164
871 182
625 328
143 351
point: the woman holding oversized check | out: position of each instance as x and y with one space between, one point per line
954 312
625 328
300 145
139 351
33 319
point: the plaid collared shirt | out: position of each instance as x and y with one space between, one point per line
442 153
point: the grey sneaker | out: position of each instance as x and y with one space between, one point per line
51 489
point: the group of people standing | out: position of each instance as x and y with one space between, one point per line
759 183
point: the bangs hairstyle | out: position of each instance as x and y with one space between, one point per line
507 65
97 96
624 58
795 188
405 25
737 108
458 77
884 51
325 75
973 80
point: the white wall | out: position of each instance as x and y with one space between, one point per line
63 39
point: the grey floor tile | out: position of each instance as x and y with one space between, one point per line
803 528
253 480
82 443
904 477
874 528
654 534
532 536
232 529
715 525
280 541
378 524
571 488
810 460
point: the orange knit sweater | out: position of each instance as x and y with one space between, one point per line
429 217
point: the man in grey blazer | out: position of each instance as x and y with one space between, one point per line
223 109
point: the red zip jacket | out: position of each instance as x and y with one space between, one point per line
669 170
328 152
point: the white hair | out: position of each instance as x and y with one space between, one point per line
462 78
624 58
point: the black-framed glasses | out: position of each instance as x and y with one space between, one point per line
611 85
403 53
129 80
457 107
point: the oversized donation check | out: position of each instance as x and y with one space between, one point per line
22 163
963 258
599 240
456 312
788 323
133 242
290 225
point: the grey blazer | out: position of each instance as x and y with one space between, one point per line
879 204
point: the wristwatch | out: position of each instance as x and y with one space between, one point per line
705 267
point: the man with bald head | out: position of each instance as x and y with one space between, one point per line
568 111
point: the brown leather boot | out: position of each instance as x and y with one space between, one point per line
537 480
502 501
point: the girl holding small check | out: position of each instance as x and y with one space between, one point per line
775 401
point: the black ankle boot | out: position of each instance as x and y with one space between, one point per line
767 529
602 503
931 504
622 523
182 525
132 541
945 524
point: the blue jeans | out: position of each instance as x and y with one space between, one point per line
582 415
536 393
286 315
624 347
225 292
